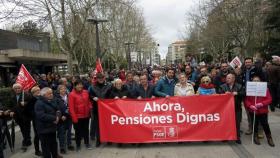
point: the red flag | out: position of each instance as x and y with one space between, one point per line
25 79
98 66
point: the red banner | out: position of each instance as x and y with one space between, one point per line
25 79
174 119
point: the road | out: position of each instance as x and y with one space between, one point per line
174 150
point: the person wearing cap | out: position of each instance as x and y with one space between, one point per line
100 90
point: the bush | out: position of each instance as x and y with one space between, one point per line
6 96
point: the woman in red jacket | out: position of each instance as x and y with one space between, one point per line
80 108
261 110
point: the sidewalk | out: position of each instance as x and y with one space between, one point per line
189 150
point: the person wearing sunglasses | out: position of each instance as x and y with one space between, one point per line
206 87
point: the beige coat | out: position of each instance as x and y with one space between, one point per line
180 91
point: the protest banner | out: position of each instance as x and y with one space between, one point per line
174 119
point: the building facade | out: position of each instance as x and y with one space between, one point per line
32 51
176 52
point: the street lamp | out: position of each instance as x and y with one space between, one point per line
128 55
140 58
96 22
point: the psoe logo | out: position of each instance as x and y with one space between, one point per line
172 132
159 133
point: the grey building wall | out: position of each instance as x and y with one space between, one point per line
12 40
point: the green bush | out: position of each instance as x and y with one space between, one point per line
6 96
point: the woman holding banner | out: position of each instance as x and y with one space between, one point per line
183 88
259 106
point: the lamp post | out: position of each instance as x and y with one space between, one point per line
96 22
140 58
128 55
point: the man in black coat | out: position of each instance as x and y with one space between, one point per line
98 91
145 90
21 114
47 117
232 87
131 85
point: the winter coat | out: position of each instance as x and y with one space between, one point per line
119 93
64 106
235 88
164 87
188 89
250 100
206 89
79 105
22 113
46 113
132 89
145 93
253 71
101 91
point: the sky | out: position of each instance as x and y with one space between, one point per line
167 19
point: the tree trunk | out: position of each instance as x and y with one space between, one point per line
70 63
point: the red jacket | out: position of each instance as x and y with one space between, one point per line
79 105
250 100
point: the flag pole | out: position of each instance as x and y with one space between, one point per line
23 95
254 120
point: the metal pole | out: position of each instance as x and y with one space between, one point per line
150 58
128 56
98 51
254 119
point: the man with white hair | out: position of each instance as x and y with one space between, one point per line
48 114
20 113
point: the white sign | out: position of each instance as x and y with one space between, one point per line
256 89
133 56
236 62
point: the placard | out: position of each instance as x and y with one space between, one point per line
256 89
236 62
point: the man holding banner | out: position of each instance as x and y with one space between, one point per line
232 87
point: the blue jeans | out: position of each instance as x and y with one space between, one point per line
64 133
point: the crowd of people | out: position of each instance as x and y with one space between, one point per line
57 103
